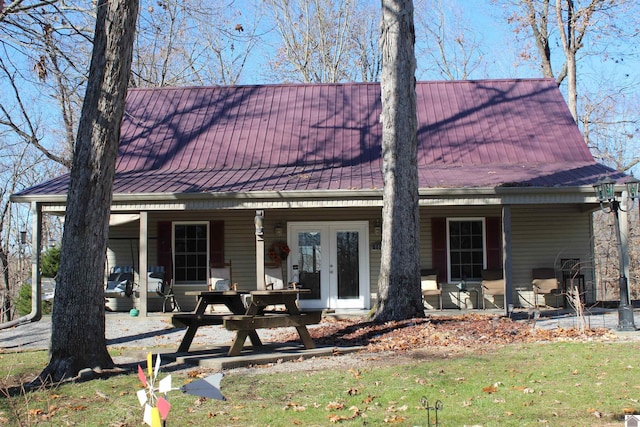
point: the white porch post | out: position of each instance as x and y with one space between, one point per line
142 263
258 222
507 259
36 247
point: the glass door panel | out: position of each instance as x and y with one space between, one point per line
309 260
331 260
348 259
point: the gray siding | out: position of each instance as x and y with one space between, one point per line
541 236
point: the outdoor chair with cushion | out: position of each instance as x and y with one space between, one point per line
492 285
544 282
221 278
430 285
273 277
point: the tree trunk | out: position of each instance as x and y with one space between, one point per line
399 294
78 320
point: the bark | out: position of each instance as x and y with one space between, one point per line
399 281
78 322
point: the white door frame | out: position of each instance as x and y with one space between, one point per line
328 230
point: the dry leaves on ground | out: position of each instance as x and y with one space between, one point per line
470 330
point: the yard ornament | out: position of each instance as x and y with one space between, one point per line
153 397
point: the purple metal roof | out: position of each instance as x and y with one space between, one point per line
327 137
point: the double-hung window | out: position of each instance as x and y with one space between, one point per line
466 248
191 252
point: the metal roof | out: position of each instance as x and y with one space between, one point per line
489 133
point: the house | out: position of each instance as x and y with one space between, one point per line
207 175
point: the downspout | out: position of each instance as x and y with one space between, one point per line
36 283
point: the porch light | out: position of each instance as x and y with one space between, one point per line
23 237
278 229
605 193
258 222
632 187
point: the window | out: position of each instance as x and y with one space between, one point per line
190 252
466 249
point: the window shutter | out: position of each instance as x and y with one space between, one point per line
164 242
439 247
494 242
216 243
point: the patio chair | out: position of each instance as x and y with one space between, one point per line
220 278
544 282
163 288
273 277
492 285
430 285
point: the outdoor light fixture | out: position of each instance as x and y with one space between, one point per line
605 192
278 230
23 237
258 221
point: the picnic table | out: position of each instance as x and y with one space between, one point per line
245 321
231 299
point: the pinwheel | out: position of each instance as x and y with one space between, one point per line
153 397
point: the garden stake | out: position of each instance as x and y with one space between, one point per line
437 407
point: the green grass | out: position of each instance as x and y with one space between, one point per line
558 384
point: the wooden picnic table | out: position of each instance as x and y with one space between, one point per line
256 317
231 299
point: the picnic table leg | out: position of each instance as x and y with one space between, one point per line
305 337
238 343
188 338
292 308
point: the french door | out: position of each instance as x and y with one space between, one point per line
332 260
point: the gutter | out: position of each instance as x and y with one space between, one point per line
36 308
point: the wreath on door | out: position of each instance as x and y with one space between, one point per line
278 252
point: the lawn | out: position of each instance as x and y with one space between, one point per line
527 384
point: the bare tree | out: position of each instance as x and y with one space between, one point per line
399 294
570 26
193 42
322 41
78 323
452 45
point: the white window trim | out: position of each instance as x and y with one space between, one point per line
484 241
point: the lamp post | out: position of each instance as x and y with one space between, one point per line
605 192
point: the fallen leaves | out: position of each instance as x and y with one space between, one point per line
468 331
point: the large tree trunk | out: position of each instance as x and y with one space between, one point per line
399 294
78 323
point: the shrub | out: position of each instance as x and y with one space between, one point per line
23 302
50 262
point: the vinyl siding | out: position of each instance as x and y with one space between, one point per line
541 236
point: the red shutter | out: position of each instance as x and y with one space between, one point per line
494 242
216 243
439 247
165 257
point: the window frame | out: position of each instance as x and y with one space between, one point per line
448 241
174 252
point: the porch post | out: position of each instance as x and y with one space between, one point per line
142 263
36 248
506 259
258 222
